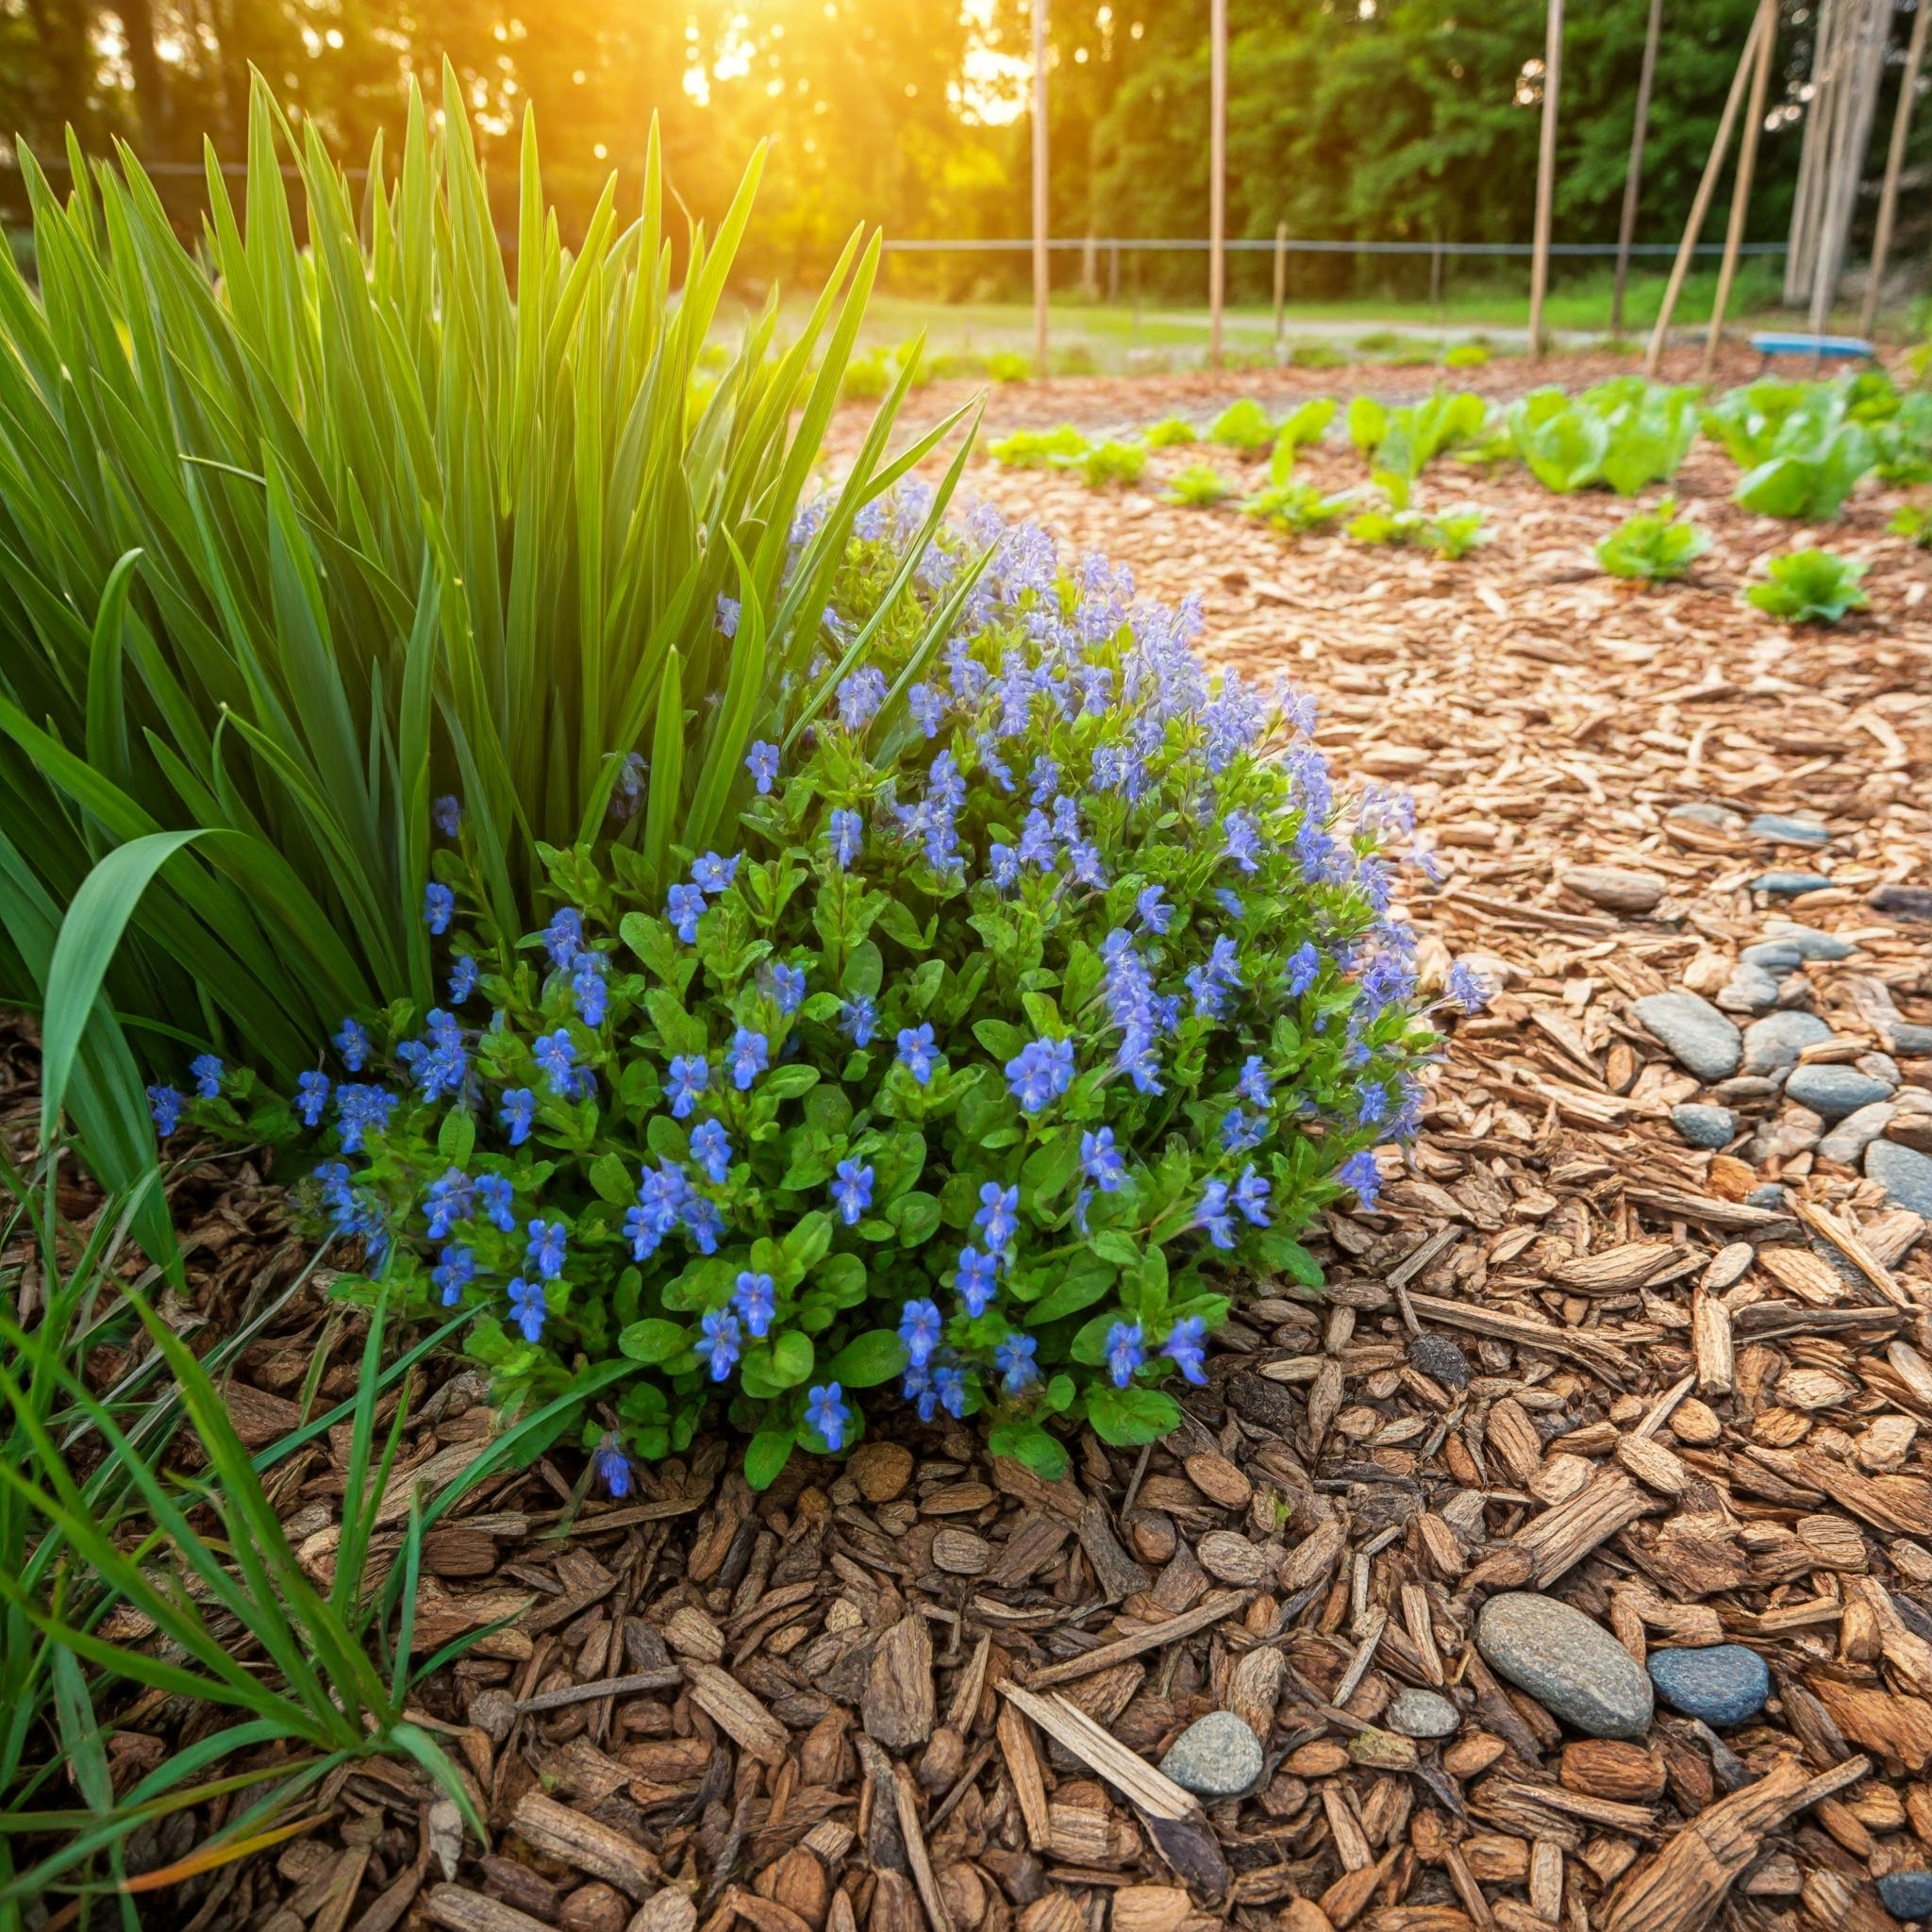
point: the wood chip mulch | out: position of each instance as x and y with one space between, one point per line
1679 1387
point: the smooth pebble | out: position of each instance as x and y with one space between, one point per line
1704 1127
1905 1174
1834 1092
1568 1663
1217 1757
1721 1683
1695 1034
1906 1895
1423 1714
1775 1042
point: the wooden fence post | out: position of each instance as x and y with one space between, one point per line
1766 30
1633 179
1894 161
1545 177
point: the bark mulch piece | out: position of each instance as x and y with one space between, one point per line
1679 1387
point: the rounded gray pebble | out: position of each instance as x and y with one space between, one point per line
1906 1895
1787 831
1698 1037
1834 1092
1704 1127
1571 1665
1217 1757
1787 885
1721 1683
1775 1042
1905 1174
1423 1714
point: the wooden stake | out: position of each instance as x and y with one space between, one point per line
1545 177
1217 176
1040 280
1700 205
1765 27
1633 179
1894 161
1281 283
1863 48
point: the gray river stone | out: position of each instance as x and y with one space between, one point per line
1775 1042
1787 885
1783 831
1905 1174
1423 1714
1834 1092
1568 1663
1723 1682
1704 1127
1216 1756
1856 1133
1695 1034
1906 1895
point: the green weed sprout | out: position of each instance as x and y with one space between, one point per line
1199 486
1111 462
1039 449
1171 432
1243 426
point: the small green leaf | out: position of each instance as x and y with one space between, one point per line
1128 1417
867 1359
792 1358
654 1340
765 1456
612 1181
456 1139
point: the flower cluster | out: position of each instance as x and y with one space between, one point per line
1044 980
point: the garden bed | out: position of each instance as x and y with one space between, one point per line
1570 1352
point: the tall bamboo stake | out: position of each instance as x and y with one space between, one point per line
1545 177
1700 205
1281 283
1040 281
1633 179
1765 27
1894 161
1864 62
1217 174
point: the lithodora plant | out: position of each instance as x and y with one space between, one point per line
1047 981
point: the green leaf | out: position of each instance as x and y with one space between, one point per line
456 1139
1027 1442
654 1340
765 1456
792 1359
611 1177
867 1359
1128 1417
1079 1290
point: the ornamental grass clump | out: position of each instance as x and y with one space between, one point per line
1044 985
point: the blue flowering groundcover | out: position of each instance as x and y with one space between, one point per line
1048 989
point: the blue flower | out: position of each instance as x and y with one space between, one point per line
1183 1347
1466 987
1040 1071
690 1073
556 1056
453 1272
721 1343
977 1280
755 1298
526 1309
438 906
710 1147
916 1050
848 837
684 905
949 1384
788 988
1043 780
358 1109
1244 840
1304 963
852 1191
516 1112
312 1096
563 937
999 1215
928 706
703 1223
611 1465
165 1103
1251 1196
1101 1161
448 1201
1254 1081
725 620
588 989
761 762
825 1412
1036 842
447 815
750 1057
1124 1353
1002 864
920 1328
1083 856
662 1193
1229 903
206 1070
462 980
1361 1173
497 1192
546 1251
713 873
1014 1356
1213 1214
860 696
859 1019
352 1043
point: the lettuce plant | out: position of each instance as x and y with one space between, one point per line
1243 426
1654 546
1043 981
1296 507
1404 442
1111 461
1913 521
1626 433
1802 447
1171 432
1810 587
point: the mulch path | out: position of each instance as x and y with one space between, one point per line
1679 1387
